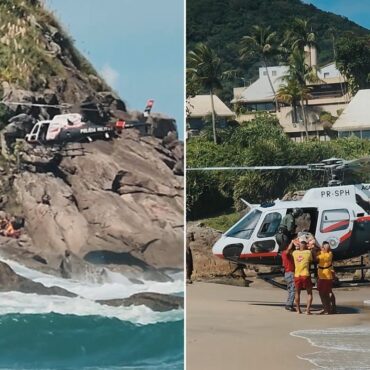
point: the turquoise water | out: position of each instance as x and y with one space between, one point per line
55 341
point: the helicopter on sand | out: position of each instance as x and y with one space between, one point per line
339 214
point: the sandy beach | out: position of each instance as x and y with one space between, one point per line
231 327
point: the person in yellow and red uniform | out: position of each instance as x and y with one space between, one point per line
325 274
302 278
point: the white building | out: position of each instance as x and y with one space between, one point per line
199 109
355 119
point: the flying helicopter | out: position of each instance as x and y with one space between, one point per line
338 213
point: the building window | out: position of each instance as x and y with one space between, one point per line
264 73
273 73
326 74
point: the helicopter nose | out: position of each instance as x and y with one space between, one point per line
228 249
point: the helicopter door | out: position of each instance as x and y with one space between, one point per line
33 136
267 229
334 224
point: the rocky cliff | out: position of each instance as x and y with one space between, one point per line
118 202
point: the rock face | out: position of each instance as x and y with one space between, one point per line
116 202
205 264
120 197
10 281
155 301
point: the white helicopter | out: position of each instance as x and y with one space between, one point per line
67 128
339 214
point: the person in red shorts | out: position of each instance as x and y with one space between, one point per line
302 278
325 274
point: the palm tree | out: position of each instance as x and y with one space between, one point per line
300 73
204 70
301 35
291 93
262 44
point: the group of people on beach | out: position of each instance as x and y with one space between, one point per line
297 259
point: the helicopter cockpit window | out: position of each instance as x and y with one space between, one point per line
245 227
334 220
270 225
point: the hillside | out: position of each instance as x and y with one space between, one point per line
222 23
117 202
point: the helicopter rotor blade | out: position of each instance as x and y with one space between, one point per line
250 168
58 106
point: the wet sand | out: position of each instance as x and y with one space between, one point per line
231 327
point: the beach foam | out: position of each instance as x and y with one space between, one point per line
340 348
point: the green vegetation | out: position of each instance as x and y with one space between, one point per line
25 59
204 71
222 222
260 142
223 23
353 61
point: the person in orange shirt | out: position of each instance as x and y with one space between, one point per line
325 274
302 278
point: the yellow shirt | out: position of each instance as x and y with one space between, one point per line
302 261
324 259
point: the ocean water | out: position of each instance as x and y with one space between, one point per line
338 348
53 332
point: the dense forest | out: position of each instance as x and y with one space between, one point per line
222 24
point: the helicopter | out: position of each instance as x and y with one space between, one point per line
68 128
337 213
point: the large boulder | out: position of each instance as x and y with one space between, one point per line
10 281
155 301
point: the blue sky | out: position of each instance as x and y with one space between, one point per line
137 45
356 10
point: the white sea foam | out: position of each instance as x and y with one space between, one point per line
15 302
341 348
118 287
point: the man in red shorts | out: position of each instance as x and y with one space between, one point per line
302 278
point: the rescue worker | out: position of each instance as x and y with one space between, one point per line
287 228
325 272
302 278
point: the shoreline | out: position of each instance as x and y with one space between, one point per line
231 326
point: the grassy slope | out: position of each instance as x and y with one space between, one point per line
24 60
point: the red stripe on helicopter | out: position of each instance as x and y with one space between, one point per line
345 236
262 254
363 219
335 226
252 255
